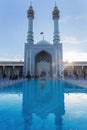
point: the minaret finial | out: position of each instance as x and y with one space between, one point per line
30 3
55 3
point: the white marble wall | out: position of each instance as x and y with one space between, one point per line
32 50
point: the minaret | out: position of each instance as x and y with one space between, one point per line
55 15
30 16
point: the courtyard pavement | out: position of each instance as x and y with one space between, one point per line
79 82
6 82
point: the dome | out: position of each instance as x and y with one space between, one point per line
43 42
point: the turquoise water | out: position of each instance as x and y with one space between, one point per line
43 105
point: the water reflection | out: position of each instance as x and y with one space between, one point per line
43 101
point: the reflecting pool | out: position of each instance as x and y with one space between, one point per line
43 105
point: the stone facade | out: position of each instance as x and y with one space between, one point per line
74 69
9 69
38 57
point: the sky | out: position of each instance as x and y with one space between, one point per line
72 27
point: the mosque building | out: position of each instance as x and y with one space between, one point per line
43 57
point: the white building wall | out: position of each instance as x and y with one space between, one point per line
32 50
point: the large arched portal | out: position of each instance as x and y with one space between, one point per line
43 64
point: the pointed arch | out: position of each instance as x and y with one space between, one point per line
43 63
